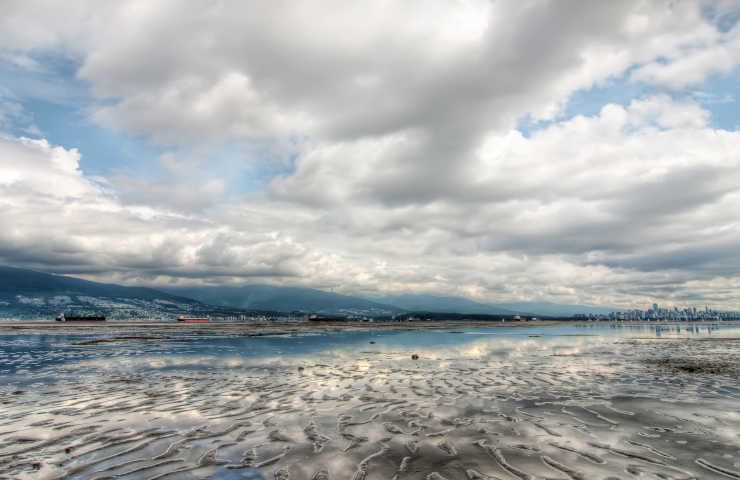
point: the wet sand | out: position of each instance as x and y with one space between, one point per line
257 328
590 406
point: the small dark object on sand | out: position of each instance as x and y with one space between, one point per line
414 357
19 392
300 369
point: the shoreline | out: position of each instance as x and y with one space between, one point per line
265 328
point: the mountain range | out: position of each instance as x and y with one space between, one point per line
30 294
285 299
27 293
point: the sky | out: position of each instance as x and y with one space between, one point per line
566 151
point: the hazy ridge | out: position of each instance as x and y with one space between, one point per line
26 292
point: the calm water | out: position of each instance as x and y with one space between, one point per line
506 402
25 356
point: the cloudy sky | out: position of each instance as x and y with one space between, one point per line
576 152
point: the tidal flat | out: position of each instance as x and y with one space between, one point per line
542 401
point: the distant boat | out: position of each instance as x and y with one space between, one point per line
80 318
326 318
193 319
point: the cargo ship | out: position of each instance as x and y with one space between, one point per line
80 318
193 319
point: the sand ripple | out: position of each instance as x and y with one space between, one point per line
379 415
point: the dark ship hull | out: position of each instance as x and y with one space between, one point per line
80 318
193 319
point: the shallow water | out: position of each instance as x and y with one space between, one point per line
570 402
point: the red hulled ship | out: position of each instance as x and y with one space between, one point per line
193 319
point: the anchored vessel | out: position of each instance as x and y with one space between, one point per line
193 319
80 318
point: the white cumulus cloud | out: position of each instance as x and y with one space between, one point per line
397 124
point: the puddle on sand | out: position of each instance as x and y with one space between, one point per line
573 403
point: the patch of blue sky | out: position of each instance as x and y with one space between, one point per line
248 167
57 104
46 77
724 16
719 94
104 151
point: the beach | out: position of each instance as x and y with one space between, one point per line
456 401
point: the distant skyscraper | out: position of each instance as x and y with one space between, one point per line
655 307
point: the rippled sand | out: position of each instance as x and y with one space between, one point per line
589 407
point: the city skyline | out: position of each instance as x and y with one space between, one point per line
675 313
